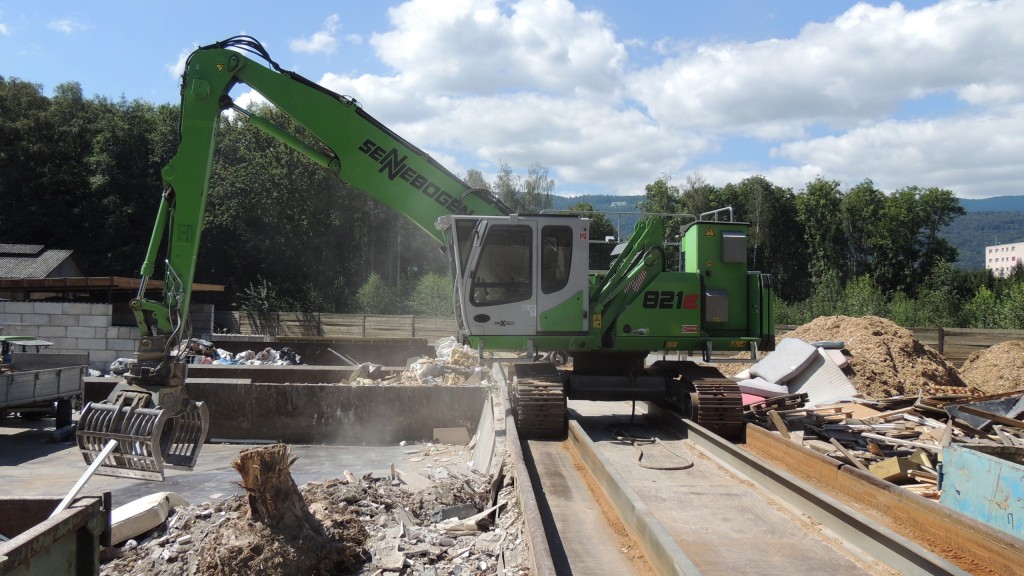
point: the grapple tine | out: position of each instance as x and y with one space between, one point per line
188 432
137 431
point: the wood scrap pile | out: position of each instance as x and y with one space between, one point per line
899 440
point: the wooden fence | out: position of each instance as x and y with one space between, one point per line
955 344
349 326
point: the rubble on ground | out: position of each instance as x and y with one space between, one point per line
454 364
459 522
999 368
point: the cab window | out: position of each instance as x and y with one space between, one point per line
503 271
555 257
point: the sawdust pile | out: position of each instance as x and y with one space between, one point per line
885 359
996 369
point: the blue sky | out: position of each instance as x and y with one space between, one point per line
607 95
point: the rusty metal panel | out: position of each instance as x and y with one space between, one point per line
66 544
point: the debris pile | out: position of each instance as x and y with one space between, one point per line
885 360
204 352
901 438
886 403
449 523
453 365
200 351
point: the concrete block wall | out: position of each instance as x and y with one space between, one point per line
72 327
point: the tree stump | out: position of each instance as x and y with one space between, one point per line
274 499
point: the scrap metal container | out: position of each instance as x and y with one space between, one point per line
67 544
984 482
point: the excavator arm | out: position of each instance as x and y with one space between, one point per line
151 417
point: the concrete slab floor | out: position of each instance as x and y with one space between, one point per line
32 466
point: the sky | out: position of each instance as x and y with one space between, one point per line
607 95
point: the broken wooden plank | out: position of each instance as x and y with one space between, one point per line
856 462
991 416
901 442
778 423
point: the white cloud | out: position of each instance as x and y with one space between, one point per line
323 41
861 67
976 156
928 97
177 68
4 30
67 26
474 46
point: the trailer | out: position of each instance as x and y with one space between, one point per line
36 385
34 539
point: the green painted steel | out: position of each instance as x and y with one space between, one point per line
565 317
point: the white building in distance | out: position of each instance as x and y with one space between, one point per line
1001 259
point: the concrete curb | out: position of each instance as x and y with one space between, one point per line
659 547
541 563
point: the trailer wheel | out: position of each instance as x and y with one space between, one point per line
63 413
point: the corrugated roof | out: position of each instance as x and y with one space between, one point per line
31 264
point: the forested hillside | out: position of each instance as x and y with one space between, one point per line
988 221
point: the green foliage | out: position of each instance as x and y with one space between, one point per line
523 196
862 297
819 211
376 297
261 302
432 296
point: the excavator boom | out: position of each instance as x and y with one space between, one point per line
151 416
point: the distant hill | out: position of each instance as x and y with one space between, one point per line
997 220
994 204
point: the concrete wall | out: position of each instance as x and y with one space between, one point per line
336 414
72 327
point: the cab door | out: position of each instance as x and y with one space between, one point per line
500 285
563 268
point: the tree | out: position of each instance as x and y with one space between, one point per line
124 175
537 189
907 246
529 196
862 209
697 196
819 210
432 296
600 228
375 296
938 209
776 241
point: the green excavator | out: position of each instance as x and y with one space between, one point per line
521 282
